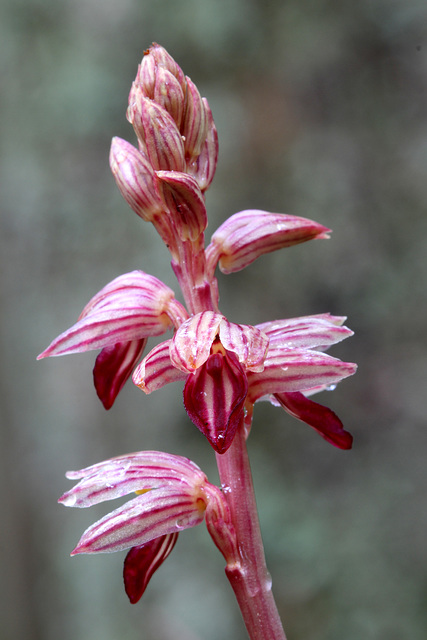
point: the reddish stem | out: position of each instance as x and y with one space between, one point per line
249 578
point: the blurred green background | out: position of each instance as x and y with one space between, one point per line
321 112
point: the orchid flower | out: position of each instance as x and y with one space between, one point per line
173 494
225 367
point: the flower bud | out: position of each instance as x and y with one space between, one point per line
168 94
157 131
195 125
185 202
156 58
203 166
136 179
249 234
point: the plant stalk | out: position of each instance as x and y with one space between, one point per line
249 579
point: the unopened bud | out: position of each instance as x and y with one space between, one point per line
195 124
249 234
136 179
157 131
155 58
185 202
203 166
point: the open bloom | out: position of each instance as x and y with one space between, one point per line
118 320
172 494
228 367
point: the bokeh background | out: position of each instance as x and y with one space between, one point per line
321 112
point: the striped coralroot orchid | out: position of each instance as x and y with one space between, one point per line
225 367
118 320
228 367
172 494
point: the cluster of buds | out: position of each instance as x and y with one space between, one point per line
225 367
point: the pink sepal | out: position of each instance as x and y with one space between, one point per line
158 133
156 369
136 179
185 202
158 512
249 234
125 474
132 306
320 331
113 367
141 562
289 370
169 94
195 123
203 166
322 419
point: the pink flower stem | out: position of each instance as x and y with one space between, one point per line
249 577
189 266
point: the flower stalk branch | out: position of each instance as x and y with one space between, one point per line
225 367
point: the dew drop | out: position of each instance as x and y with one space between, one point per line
331 387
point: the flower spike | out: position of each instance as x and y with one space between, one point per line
225 367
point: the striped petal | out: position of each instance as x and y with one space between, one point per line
322 419
130 307
156 369
113 367
158 512
308 332
190 347
135 179
214 396
157 131
250 344
141 562
195 122
247 235
203 166
136 472
288 370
